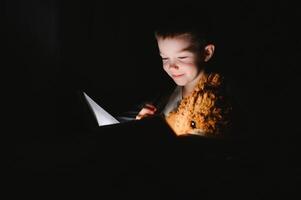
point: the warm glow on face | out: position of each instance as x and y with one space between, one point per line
180 63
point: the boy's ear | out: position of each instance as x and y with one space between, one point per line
208 52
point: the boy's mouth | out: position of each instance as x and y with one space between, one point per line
177 75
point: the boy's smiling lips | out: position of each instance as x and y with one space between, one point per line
177 75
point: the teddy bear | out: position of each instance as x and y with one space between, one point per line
205 112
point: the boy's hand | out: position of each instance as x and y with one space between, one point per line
146 111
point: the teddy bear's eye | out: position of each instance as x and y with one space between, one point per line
192 124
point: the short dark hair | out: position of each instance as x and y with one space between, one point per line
197 24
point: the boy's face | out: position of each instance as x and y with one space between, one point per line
179 61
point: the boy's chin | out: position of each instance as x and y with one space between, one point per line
180 83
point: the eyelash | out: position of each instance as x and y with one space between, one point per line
178 57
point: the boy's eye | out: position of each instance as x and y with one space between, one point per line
164 58
183 57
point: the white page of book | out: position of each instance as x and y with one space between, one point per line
102 116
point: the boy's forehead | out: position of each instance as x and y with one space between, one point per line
178 44
183 37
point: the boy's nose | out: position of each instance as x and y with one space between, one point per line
173 65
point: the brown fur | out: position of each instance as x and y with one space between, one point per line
204 112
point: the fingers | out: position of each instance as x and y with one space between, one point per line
146 111
138 117
150 107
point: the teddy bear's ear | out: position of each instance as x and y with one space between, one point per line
214 79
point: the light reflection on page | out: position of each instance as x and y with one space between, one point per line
102 116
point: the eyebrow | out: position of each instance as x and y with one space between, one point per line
189 48
182 50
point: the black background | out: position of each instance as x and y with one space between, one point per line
54 48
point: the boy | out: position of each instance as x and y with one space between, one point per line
197 105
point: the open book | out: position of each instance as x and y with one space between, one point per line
149 125
102 116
